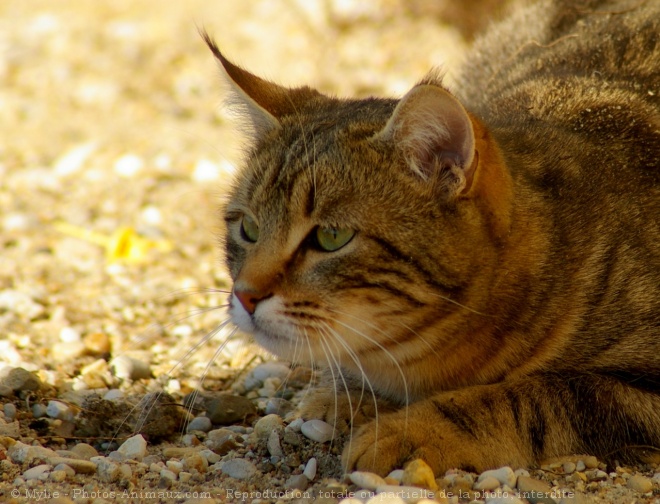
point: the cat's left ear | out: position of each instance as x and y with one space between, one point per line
435 135
266 103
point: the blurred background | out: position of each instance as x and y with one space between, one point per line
115 152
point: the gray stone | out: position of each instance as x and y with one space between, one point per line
23 453
10 411
20 380
228 409
310 469
278 406
59 410
317 430
367 480
298 481
239 468
200 423
273 444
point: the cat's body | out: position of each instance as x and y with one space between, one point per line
495 265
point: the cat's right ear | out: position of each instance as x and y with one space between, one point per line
264 102
434 133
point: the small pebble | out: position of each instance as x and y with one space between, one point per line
85 451
591 462
134 448
266 425
397 475
640 484
504 475
367 480
78 465
295 425
58 476
200 423
569 467
228 409
114 395
259 374
66 469
10 411
487 483
239 468
39 472
317 430
273 445
39 410
106 469
59 410
580 466
418 473
298 481
128 368
210 456
167 474
310 469
535 491
20 380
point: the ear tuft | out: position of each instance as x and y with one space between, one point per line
266 103
434 132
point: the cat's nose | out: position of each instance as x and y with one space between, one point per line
249 298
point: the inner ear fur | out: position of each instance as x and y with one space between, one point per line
435 134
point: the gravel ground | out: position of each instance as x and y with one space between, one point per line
114 155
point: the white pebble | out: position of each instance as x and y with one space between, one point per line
113 395
273 445
69 335
317 430
262 372
60 411
405 493
487 483
72 160
167 474
239 468
504 475
128 368
580 466
39 472
397 474
134 448
128 165
310 469
367 480
10 411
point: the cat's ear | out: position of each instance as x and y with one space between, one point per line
266 103
434 132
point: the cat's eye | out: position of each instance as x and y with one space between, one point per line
331 239
249 229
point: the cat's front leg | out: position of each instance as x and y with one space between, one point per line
439 432
516 422
342 402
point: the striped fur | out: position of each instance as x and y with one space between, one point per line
501 293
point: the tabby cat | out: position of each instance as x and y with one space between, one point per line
485 261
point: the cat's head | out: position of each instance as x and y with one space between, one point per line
353 230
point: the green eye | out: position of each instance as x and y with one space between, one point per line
331 239
249 229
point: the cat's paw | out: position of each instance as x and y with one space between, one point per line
341 409
394 439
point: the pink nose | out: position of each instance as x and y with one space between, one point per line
249 298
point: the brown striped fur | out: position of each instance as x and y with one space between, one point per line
501 292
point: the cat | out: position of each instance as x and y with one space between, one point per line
478 269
